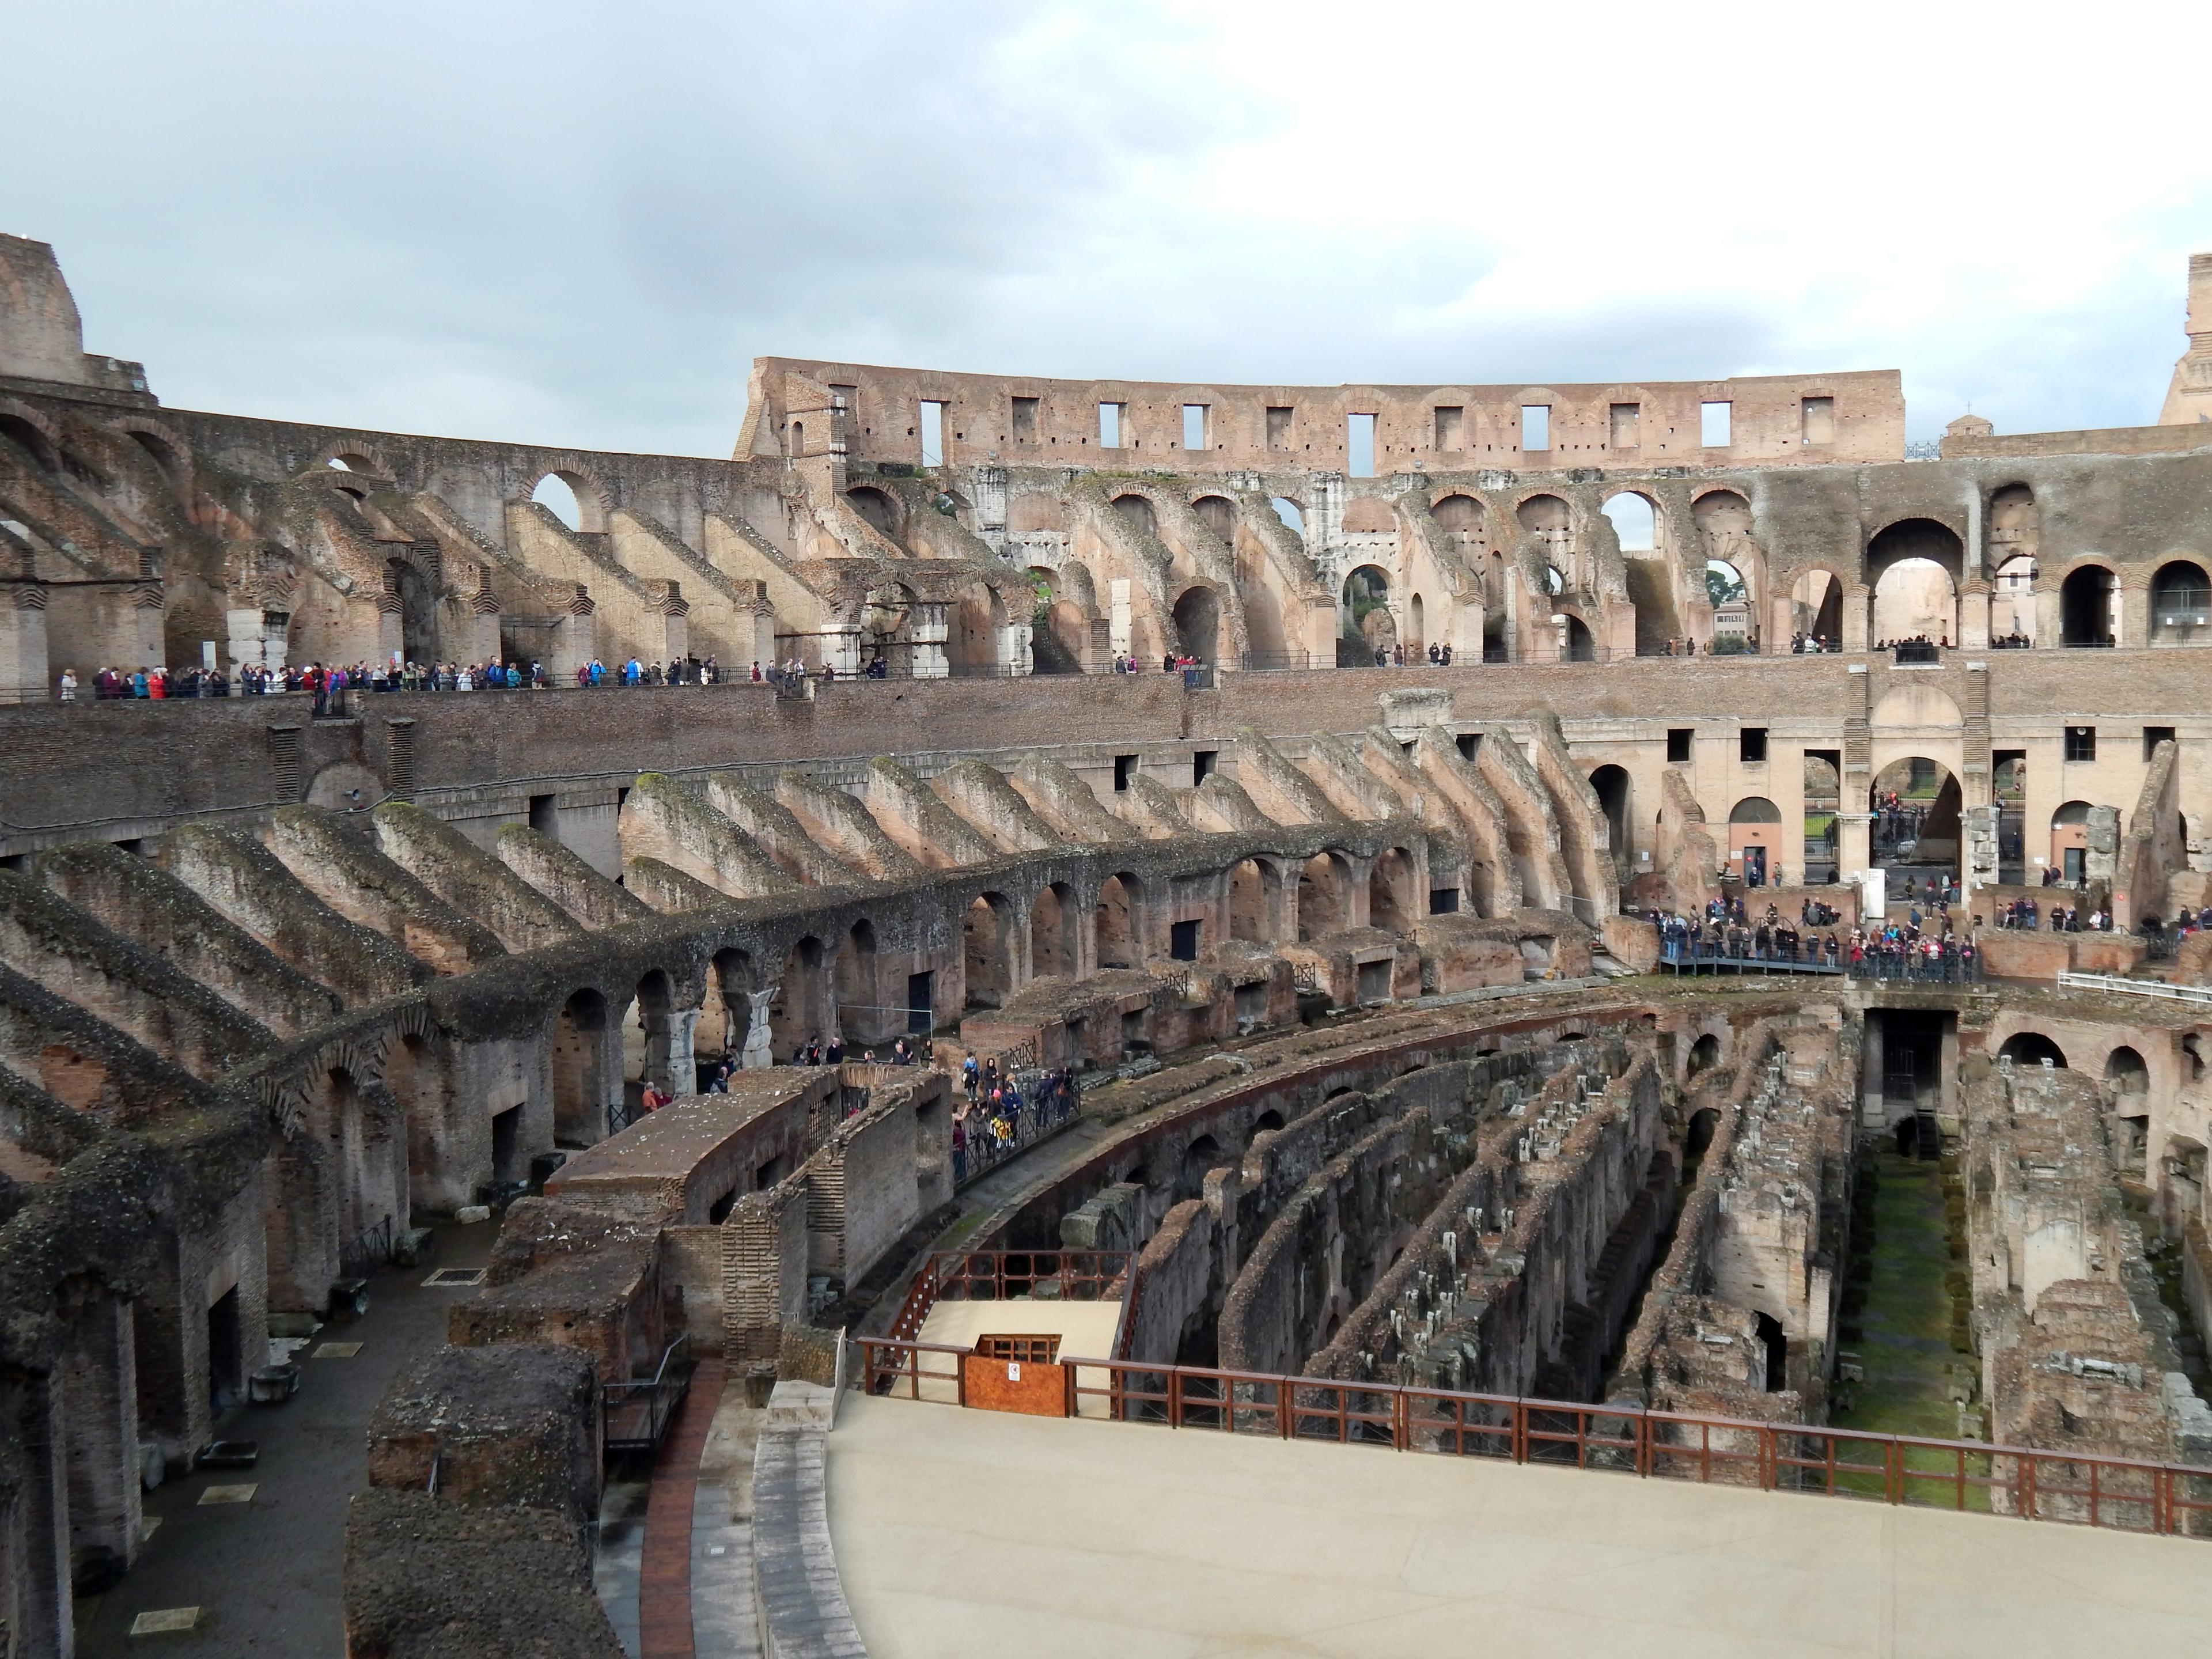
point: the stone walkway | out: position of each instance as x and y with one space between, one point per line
663 1594
266 1573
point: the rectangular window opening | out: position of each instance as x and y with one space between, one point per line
2080 742
2153 736
922 1000
1679 739
1443 901
1125 768
1193 426
1535 426
1817 418
1182 941
1025 420
1751 745
1359 445
1468 743
1202 765
1713 422
545 816
1450 429
1109 425
1626 430
1278 425
932 433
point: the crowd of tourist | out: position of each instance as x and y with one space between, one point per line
1923 947
2028 915
1000 1112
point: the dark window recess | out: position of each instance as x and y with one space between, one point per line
1468 743
768 1175
1443 901
545 816
2080 742
1679 739
1202 765
2153 736
505 1136
1182 941
1125 768
922 1000
1750 744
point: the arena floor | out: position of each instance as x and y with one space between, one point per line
968 1532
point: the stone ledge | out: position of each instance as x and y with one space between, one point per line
804 1612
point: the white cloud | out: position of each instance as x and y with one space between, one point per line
577 223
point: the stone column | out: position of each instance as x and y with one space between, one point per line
573 639
926 629
1858 617
24 676
1979 827
100 1390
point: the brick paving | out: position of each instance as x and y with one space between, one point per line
664 1593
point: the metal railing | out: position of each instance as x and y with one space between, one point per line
2200 995
1049 1104
366 1251
2122 1493
635 1415
998 1275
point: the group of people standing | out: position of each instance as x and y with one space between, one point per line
2028 916
990 1123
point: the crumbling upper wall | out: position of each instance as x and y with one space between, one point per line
1059 423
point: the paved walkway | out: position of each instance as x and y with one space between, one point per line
960 1533
266 1573
664 1594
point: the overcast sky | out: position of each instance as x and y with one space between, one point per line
576 223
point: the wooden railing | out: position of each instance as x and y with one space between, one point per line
997 1275
2124 1493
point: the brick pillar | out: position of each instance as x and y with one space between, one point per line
24 676
99 1374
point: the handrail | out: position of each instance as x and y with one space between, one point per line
2160 989
2125 1493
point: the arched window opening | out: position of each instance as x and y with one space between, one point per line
986 938
2087 608
1116 923
2026 1049
558 496
1634 522
2180 603
1321 898
1247 903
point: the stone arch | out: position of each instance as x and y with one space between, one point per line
1052 931
1461 515
589 496
987 944
877 507
861 1017
2180 603
800 1011
1324 905
33 431
1916 706
171 455
578 1065
1119 919
1291 512
1927 832
354 455
1366 622
647 1033
2126 1072
1139 511
1581 645
1252 885
1390 902
1704 1055
1417 626
1755 847
1816 606
1218 514
2025 1049
726 1016
1198 622
1615 794
2069 839
977 620
410 597
1637 520
2088 598
1903 559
